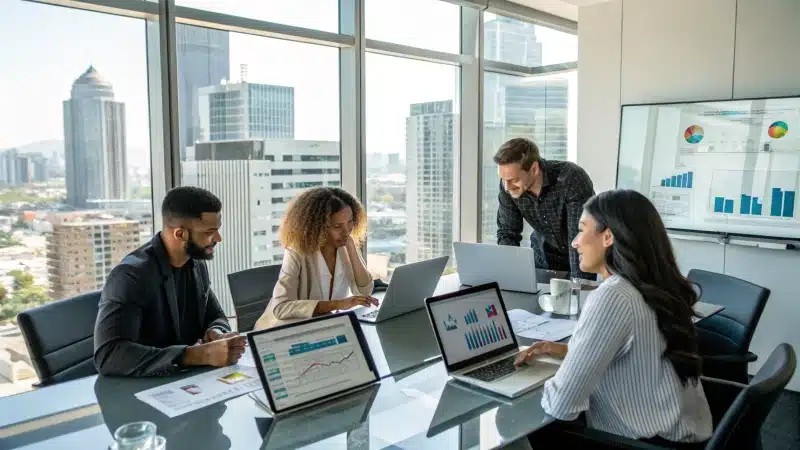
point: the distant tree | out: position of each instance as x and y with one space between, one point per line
31 295
8 240
3 293
22 279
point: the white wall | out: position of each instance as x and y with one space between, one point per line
642 51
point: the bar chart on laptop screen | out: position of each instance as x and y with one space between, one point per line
306 366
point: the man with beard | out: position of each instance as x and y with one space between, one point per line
157 312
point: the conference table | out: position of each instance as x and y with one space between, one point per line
415 406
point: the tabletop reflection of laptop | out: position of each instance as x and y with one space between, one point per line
513 268
477 344
410 285
312 425
306 363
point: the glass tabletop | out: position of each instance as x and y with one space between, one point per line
420 409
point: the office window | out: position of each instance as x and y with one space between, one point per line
75 159
543 109
412 122
521 43
237 148
429 24
315 14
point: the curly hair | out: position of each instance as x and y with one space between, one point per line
305 226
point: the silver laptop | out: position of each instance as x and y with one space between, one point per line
478 345
407 290
513 268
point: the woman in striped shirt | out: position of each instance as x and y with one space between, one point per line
632 364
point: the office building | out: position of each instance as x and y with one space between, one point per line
94 141
18 169
242 111
83 248
203 56
430 131
139 210
256 179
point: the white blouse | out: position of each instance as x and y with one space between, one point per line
341 284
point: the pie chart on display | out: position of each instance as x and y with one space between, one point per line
693 134
778 129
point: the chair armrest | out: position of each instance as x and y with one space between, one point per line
742 358
720 395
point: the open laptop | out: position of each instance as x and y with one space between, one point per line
478 345
513 268
409 287
306 363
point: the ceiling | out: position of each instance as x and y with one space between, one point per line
567 9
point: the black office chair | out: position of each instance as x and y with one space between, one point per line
724 338
251 290
738 426
60 338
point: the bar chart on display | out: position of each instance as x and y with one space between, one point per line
728 167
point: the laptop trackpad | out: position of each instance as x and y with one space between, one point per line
533 374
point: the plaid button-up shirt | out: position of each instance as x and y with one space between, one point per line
554 216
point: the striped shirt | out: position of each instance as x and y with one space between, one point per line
615 371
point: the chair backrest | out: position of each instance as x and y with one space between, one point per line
60 338
740 427
251 290
731 330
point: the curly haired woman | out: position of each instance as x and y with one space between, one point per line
322 268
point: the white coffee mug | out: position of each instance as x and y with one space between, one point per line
558 301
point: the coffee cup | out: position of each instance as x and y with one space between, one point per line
559 299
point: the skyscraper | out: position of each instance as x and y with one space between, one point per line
17 169
239 111
203 57
430 130
518 107
94 140
255 180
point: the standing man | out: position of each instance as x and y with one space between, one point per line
158 313
549 195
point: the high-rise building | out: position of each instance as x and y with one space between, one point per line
255 180
241 111
94 140
516 107
17 169
83 248
203 57
430 130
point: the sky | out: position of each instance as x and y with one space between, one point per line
56 45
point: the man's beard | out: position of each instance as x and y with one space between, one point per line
196 252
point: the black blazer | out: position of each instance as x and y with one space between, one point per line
137 326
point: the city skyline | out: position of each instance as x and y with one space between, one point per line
123 59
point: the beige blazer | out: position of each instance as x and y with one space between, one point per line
297 293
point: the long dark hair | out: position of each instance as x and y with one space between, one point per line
642 255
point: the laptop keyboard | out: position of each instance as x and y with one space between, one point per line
494 371
371 314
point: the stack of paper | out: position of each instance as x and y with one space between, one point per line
531 326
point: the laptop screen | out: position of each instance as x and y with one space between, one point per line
471 325
307 361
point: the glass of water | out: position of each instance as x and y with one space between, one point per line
138 436
575 297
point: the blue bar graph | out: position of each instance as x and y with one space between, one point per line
782 203
719 204
471 317
744 205
482 335
757 207
777 203
728 206
788 204
683 180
